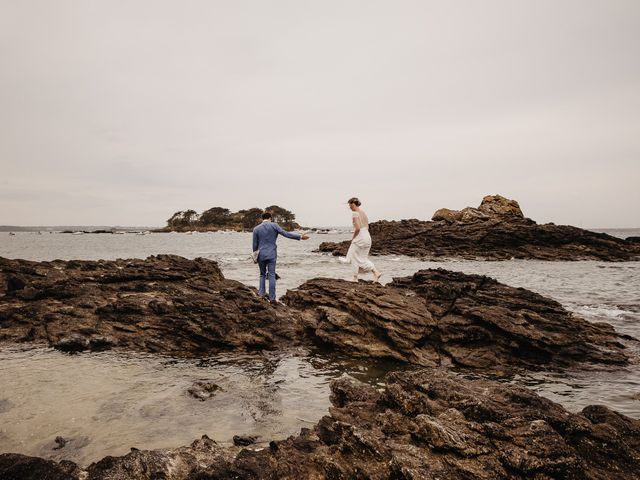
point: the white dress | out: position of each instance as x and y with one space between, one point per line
358 253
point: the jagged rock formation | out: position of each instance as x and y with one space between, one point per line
164 304
497 230
169 304
439 317
425 424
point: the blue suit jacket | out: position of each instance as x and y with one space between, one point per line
264 239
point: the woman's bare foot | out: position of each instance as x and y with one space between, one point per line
376 276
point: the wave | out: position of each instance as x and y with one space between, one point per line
609 311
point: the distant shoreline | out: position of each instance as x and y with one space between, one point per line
60 228
93 228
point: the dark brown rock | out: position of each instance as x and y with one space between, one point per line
203 390
14 466
186 307
497 205
244 440
497 230
176 464
425 424
163 304
60 442
439 317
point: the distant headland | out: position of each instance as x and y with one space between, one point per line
219 218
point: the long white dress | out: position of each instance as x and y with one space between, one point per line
358 253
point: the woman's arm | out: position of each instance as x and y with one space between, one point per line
356 227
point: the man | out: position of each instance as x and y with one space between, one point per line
264 240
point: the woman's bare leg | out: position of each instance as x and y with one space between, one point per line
376 275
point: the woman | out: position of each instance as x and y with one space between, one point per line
358 254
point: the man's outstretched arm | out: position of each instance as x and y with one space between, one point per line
294 236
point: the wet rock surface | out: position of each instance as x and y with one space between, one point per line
425 424
169 304
163 304
244 440
497 230
14 466
203 390
438 317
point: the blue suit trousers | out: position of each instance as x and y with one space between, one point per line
267 268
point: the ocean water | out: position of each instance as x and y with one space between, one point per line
107 402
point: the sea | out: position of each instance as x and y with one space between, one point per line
104 403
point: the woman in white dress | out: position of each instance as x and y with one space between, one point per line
358 254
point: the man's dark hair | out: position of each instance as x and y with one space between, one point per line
266 216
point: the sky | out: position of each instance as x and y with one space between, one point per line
122 112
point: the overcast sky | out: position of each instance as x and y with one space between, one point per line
123 112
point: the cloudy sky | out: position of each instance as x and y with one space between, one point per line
123 112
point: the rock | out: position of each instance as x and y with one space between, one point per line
633 239
449 216
469 215
244 440
14 466
497 205
72 343
60 443
61 448
424 424
15 282
497 230
168 304
203 390
203 455
439 317
164 304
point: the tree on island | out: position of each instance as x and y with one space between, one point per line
182 219
251 217
281 215
217 218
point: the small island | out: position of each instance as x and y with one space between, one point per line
219 218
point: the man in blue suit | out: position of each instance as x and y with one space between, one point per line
264 240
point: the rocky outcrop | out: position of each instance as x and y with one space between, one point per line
497 230
439 317
169 304
164 304
425 424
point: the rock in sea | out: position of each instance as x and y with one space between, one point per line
496 230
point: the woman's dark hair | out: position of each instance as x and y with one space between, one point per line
355 201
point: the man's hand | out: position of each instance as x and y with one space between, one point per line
304 236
